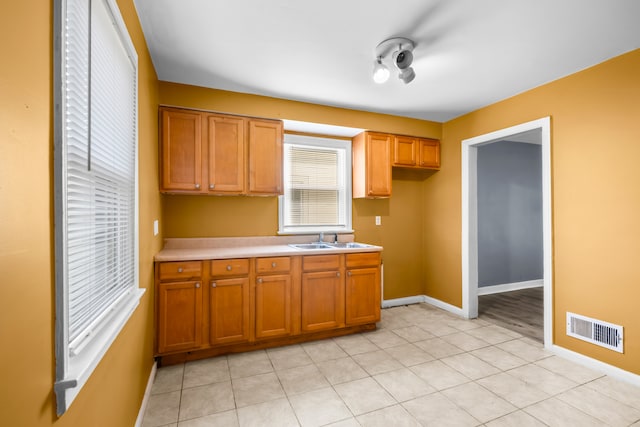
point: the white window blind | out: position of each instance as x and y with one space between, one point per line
313 192
96 188
317 185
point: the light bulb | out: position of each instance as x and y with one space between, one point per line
407 75
380 72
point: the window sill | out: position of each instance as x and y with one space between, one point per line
81 367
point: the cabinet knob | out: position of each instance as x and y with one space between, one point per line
213 284
259 280
212 186
338 274
273 265
197 186
349 273
180 270
197 285
228 268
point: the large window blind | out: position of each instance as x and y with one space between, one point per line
317 185
96 187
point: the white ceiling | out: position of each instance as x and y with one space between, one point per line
469 53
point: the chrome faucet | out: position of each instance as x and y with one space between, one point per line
321 237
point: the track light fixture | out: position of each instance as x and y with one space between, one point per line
400 50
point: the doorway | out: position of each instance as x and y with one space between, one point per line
542 130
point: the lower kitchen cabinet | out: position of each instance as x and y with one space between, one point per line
322 301
362 296
273 306
179 316
363 293
274 297
205 308
229 310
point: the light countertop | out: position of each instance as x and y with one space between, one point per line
193 249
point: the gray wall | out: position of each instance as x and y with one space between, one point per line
509 213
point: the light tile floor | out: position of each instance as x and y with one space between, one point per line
423 366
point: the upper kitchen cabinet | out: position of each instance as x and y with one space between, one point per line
207 153
405 151
371 153
227 150
181 145
412 152
429 153
265 157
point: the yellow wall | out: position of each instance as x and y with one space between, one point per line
402 215
113 394
595 148
595 203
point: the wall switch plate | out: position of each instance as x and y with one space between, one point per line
156 229
378 220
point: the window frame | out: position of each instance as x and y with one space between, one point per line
75 364
320 142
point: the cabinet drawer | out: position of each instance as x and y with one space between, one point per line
273 265
320 262
363 259
229 267
180 270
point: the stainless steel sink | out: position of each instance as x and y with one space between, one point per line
337 245
350 245
311 246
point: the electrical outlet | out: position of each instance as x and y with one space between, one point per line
156 229
378 220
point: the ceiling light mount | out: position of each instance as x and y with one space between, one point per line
400 51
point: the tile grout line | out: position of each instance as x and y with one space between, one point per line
286 395
398 319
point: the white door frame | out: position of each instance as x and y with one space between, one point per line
470 218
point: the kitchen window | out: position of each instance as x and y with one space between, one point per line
96 188
317 185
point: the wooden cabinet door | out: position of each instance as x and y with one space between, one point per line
226 154
229 310
265 157
405 151
378 165
362 296
371 165
179 316
181 151
322 300
429 153
273 306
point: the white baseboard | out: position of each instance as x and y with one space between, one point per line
396 302
445 306
422 298
147 393
508 287
596 365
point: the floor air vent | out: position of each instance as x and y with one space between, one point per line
595 331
